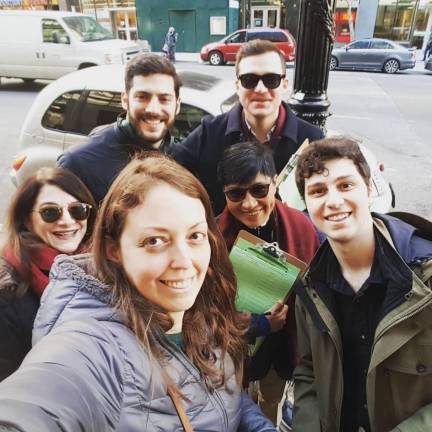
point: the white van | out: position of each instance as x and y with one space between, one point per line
49 44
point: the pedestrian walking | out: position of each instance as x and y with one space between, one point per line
428 49
170 42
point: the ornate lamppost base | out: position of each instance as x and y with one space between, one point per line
314 109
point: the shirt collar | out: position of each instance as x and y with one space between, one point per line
251 132
287 122
325 266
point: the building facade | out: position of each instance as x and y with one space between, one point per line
197 22
405 21
201 21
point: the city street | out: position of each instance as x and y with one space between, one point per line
391 114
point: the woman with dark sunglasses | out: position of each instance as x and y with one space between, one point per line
248 176
51 213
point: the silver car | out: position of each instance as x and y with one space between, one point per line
373 54
65 112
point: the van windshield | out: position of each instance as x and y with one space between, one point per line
87 28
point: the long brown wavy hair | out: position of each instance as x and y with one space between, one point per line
211 327
19 238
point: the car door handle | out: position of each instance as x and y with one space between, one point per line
43 55
37 55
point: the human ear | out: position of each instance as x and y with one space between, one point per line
112 251
178 102
124 100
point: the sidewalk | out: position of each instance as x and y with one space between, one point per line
186 57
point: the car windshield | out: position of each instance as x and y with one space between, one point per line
87 28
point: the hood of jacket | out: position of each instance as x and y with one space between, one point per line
411 246
72 294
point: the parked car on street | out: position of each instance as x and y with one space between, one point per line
38 44
225 50
428 63
66 111
373 54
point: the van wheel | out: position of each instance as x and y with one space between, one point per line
28 80
86 65
216 58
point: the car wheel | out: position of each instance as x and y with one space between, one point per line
215 58
333 63
391 66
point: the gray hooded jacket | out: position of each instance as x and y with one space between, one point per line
87 372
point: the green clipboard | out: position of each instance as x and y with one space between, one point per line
265 274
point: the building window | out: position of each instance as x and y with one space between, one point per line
402 20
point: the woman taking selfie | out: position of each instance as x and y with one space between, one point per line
50 214
143 335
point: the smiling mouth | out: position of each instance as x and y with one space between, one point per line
65 235
338 217
152 122
252 213
179 283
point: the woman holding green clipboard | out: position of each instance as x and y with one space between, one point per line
248 176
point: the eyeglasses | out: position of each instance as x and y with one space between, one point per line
250 80
52 213
257 190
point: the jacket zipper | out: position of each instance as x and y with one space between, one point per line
336 345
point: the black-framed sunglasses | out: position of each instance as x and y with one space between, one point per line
257 190
250 80
51 213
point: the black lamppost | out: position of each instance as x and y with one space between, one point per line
315 42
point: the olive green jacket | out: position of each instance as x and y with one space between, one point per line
399 379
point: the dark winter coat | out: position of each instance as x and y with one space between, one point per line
17 314
202 150
108 150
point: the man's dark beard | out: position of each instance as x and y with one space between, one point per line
139 133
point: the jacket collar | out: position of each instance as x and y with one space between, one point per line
234 124
394 262
134 142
